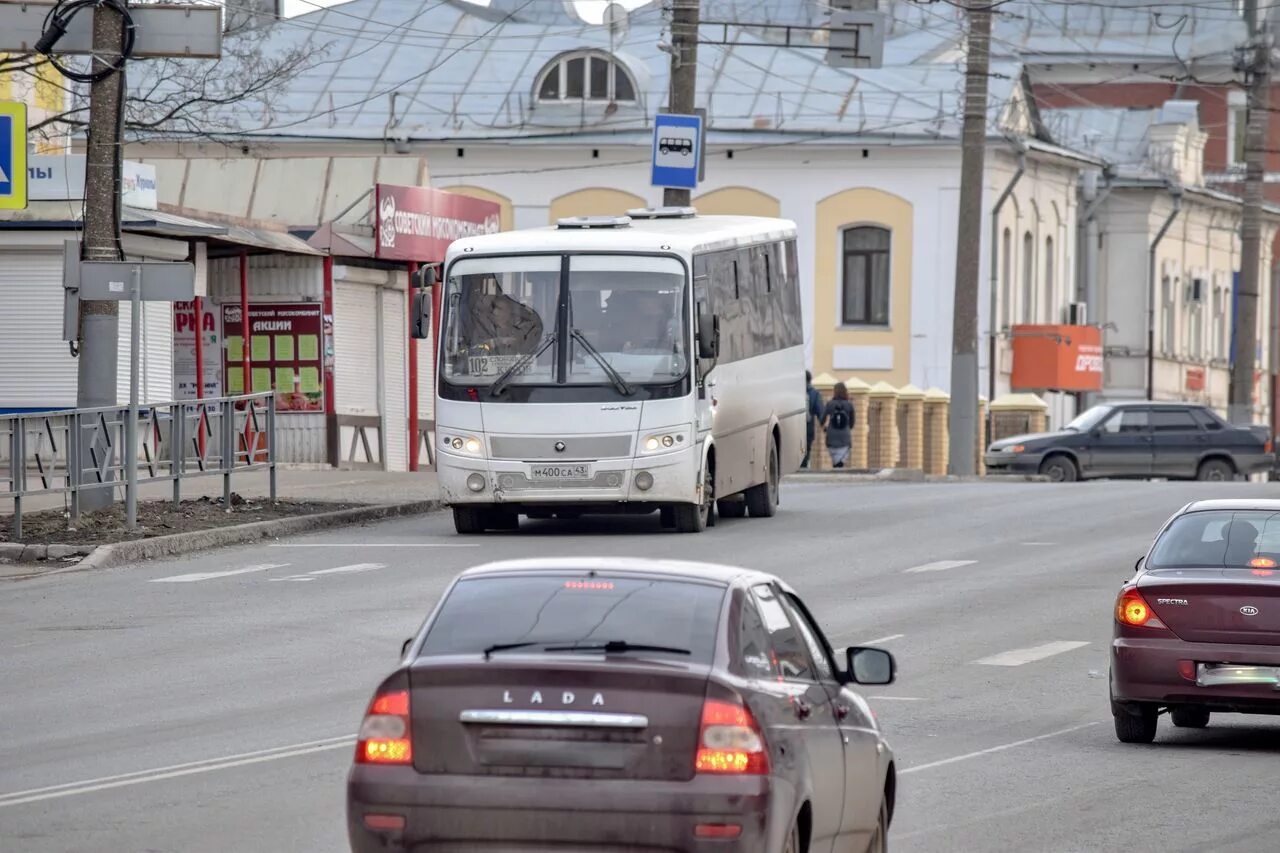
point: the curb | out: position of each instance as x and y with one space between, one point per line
906 475
119 553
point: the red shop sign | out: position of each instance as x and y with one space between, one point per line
419 223
286 347
1195 379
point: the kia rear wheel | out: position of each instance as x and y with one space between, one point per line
1135 723
1189 716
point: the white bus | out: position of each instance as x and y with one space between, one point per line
639 363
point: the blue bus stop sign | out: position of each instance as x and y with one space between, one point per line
677 148
13 156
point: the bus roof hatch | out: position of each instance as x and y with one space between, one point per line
594 222
663 213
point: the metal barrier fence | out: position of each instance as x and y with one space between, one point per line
74 451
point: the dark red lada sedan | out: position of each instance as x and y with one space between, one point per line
622 705
1197 630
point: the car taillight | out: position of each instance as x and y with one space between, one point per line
1132 609
384 735
730 740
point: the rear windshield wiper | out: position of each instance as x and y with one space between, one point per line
614 376
500 384
614 647
610 648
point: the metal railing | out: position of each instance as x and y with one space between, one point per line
74 451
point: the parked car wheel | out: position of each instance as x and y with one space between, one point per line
1189 717
1135 723
1060 468
1216 471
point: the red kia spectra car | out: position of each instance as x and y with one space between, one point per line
1197 629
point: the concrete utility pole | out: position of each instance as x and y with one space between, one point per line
684 76
99 321
963 417
1258 75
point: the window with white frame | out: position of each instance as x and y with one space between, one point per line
1237 126
588 76
1219 328
864 299
1168 314
1194 347
1048 275
1028 278
1006 280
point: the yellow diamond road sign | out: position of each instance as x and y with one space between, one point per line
13 156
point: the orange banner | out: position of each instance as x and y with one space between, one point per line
1057 358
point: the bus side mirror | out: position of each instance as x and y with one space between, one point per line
421 314
708 336
423 277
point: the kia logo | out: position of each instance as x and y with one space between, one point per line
1249 610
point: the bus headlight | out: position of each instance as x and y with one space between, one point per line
661 442
467 444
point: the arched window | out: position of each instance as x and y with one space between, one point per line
586 76
865 301
1028 278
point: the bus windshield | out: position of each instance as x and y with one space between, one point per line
620 317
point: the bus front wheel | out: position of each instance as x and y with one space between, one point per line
695 518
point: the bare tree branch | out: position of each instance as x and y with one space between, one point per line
189 98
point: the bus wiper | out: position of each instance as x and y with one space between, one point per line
500 384
614 376
614 647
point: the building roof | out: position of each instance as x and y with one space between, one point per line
431 70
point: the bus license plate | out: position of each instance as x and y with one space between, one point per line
558 472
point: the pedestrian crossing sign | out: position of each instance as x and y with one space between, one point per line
13 156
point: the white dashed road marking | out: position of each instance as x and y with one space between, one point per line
1017 657
352 569
376 545
1001 748
208 576
939 566
88 786
881 640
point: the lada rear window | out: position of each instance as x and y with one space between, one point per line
534 613
1219 539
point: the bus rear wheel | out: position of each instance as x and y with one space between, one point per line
762 500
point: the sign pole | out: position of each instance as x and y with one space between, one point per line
130 455
413 369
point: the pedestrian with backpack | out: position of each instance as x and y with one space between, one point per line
839 424
813 417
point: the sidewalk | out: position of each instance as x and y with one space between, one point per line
365 487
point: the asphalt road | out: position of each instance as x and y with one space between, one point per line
208 703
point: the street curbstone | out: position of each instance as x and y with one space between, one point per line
120 553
